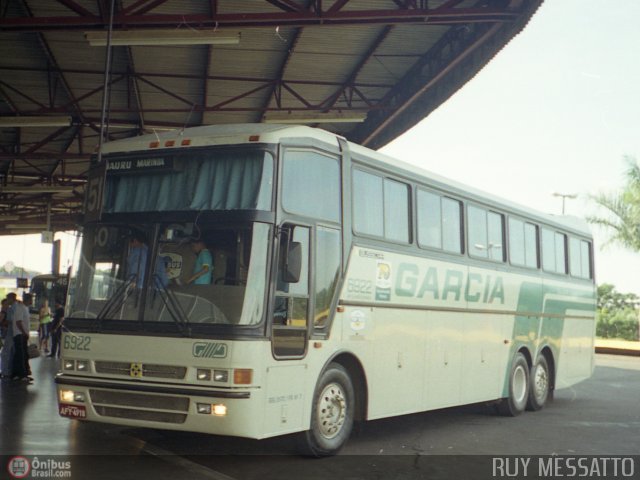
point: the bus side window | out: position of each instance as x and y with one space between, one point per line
291 305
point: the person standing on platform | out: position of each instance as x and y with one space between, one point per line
19 315
6 355
56 330
44 319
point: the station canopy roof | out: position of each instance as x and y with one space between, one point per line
365 69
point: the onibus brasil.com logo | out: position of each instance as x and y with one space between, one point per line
22 467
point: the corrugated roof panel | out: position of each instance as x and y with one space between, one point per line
181 60
259 54
402 48
315 61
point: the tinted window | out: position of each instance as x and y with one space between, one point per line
516 241
439 222
367 203
579 258
396 211
561 252
326 273
495 232
381 207
486 234
429 220
311 185
548 251
523 245
554 251
531 245
477 219
451 225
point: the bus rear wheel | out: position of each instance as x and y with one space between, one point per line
516 402
332 413
539 384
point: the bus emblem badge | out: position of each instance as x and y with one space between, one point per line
209 350
135 370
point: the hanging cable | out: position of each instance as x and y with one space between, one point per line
107 80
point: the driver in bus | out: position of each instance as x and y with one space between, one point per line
203 268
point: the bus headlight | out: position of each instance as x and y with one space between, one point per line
69 365
82 365
220 376
217 409
72 396
203 374
220 410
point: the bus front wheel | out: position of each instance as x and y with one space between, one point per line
516 402
539 385
332 413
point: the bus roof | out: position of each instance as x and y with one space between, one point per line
237 134
213 135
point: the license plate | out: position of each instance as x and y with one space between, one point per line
72 411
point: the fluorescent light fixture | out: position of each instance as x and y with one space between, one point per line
35 189
27 226
32 121
315 117
165 36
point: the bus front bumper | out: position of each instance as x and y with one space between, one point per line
162 406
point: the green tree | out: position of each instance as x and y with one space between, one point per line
616 313
610 299
622 208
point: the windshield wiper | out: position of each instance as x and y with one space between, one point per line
173 307
122 291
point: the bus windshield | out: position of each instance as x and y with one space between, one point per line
178 276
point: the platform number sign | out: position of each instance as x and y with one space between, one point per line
94 193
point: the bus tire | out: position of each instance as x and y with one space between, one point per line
332 413
516 402
539 384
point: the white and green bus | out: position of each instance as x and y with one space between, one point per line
344 286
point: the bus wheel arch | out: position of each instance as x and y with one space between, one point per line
518 385
338 401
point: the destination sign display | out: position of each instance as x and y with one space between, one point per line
137 165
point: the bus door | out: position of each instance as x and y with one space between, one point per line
291 310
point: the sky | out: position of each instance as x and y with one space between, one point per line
555 111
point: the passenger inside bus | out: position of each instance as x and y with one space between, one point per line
208 275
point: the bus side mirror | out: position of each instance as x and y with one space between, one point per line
292 263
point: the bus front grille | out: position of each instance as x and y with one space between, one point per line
148 370
137 406
162 417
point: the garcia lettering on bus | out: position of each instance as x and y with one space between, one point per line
473 287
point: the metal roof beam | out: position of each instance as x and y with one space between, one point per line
197 77
141 7
46 140
53 64
76 8
424 16
333 99
278 83
23 95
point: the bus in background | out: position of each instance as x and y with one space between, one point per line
48 286
341 285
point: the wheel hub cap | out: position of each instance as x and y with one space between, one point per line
332 409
